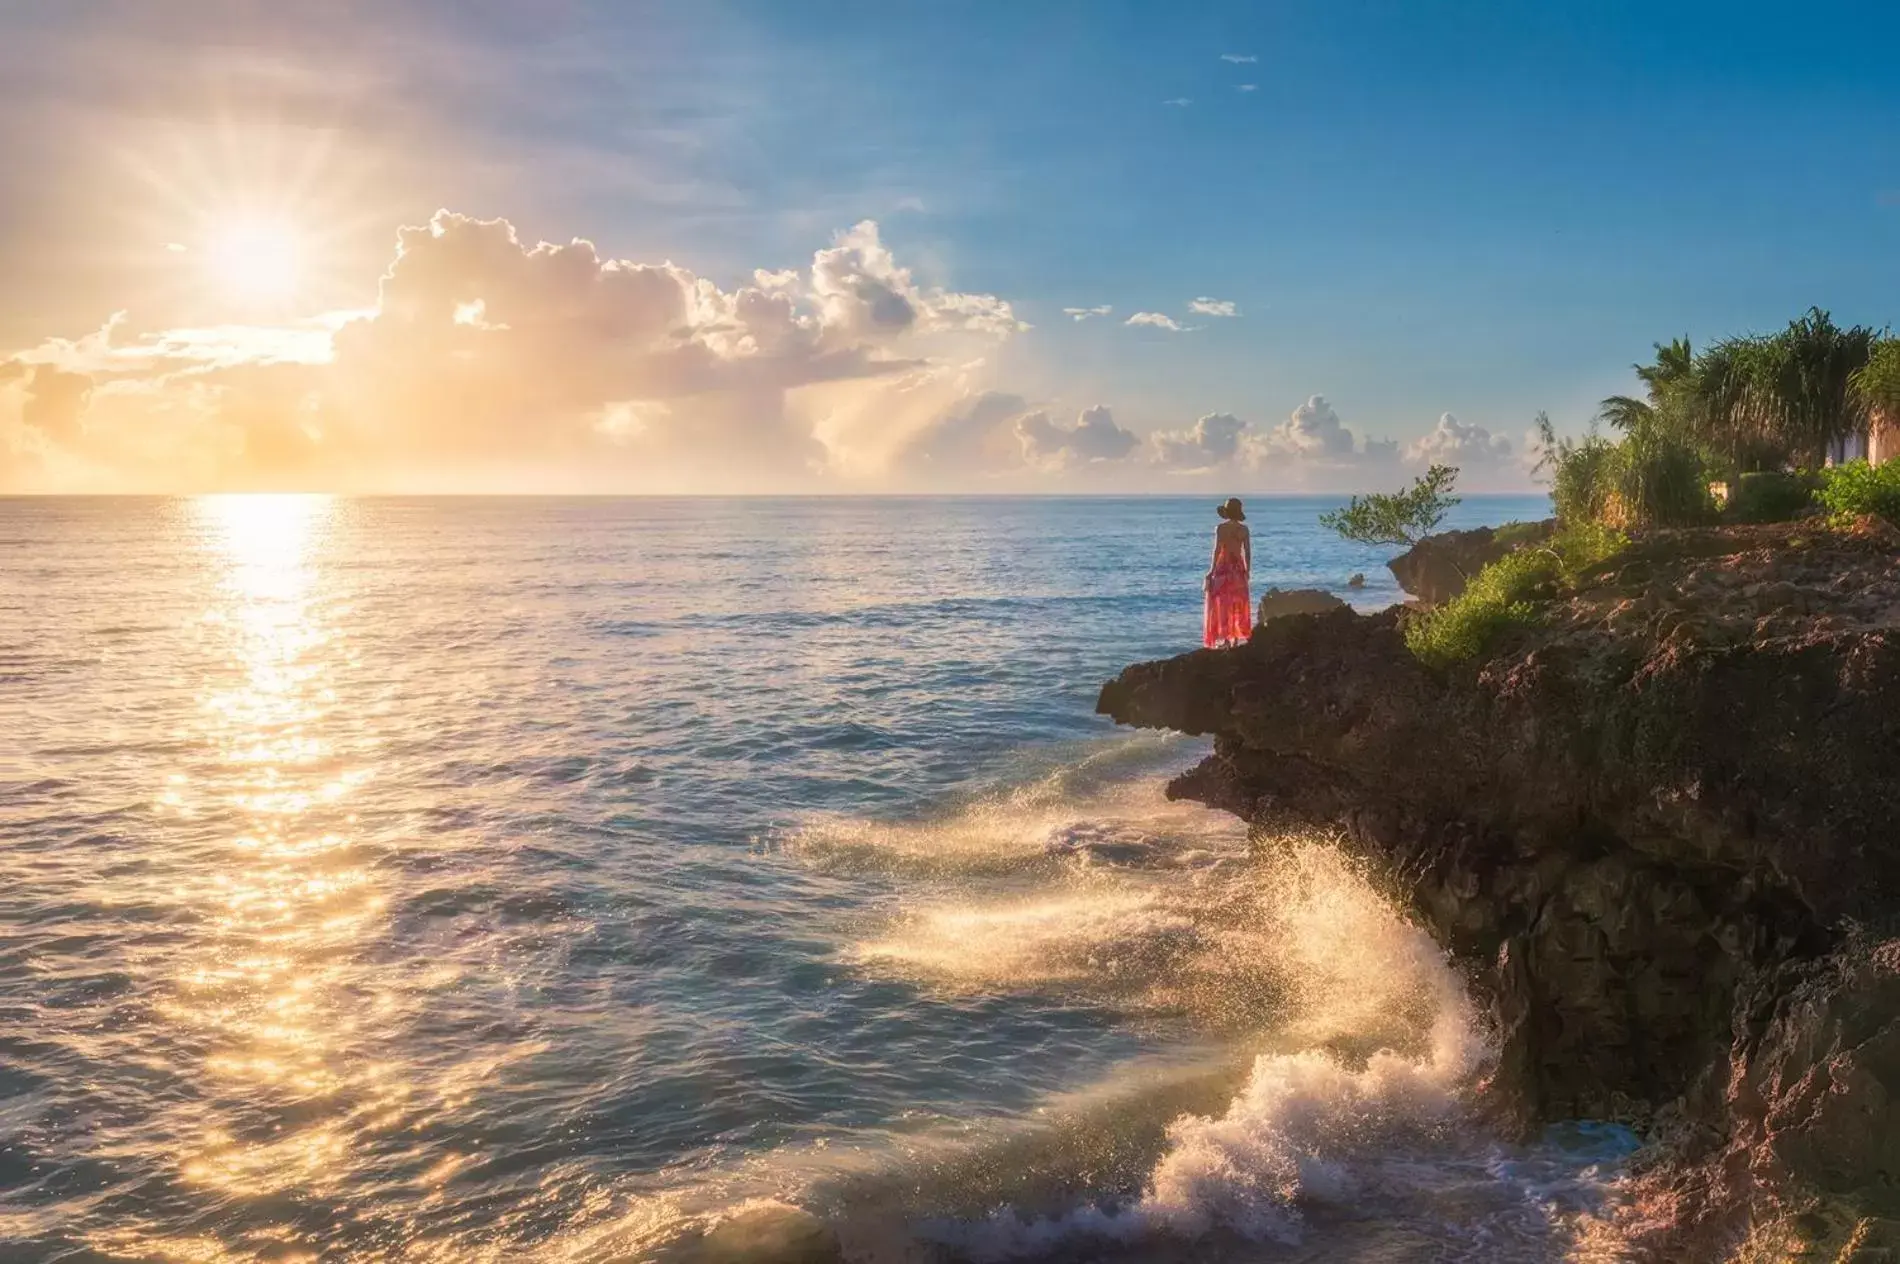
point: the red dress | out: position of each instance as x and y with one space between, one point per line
1229 609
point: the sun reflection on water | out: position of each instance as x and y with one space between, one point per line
288 899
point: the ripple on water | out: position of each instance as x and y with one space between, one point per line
475 880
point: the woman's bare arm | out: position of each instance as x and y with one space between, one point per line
1246 547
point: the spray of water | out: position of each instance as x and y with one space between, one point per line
1088 881
1376 1047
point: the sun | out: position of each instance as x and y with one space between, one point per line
256 259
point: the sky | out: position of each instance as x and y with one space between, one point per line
706 246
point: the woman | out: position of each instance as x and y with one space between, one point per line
1228 618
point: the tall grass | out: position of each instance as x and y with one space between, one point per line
1659 481
1652 477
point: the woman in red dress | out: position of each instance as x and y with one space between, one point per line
1228 618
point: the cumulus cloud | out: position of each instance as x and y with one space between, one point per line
861 292
1312 430
1240 59
1453 442
1213 440
484 349
1094 437
491 361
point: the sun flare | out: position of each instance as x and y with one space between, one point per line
256 260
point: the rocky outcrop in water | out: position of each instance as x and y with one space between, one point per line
1660 830
1276 602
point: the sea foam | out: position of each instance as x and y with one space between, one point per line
1386 1045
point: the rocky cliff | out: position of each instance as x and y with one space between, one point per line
1659 828
1435 569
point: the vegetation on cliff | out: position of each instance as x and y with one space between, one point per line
1508 594
1763 401
1860 488
1757 413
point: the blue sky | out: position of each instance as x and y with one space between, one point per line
1485 209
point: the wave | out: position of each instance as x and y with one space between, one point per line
1385 1047
1319 1099
1106 808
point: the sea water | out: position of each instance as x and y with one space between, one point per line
497 879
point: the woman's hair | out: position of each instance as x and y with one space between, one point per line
1232 510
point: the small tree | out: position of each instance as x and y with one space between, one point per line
1399 518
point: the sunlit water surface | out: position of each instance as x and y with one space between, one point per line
520 879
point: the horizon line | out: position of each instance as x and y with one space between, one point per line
537 495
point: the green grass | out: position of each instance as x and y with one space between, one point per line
1507 594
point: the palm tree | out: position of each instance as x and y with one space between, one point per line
1878 386
1666 380
1674 369
1878 381
1627 413
1762 402
1730 411
1815 385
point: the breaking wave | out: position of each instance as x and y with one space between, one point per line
1319 1094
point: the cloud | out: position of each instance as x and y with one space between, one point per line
1313 430
486 353
1179 101
862 293
1094 437
1158 321
1213 307
1453 442
1083 313
1240 59
1213 440
973 434
54 401
1246 87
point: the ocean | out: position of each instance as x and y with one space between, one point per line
516 879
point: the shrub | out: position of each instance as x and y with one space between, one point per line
1400 518
1498 597
1659 481
1860 488
1580 472
1507 594
1770 496
1582 547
